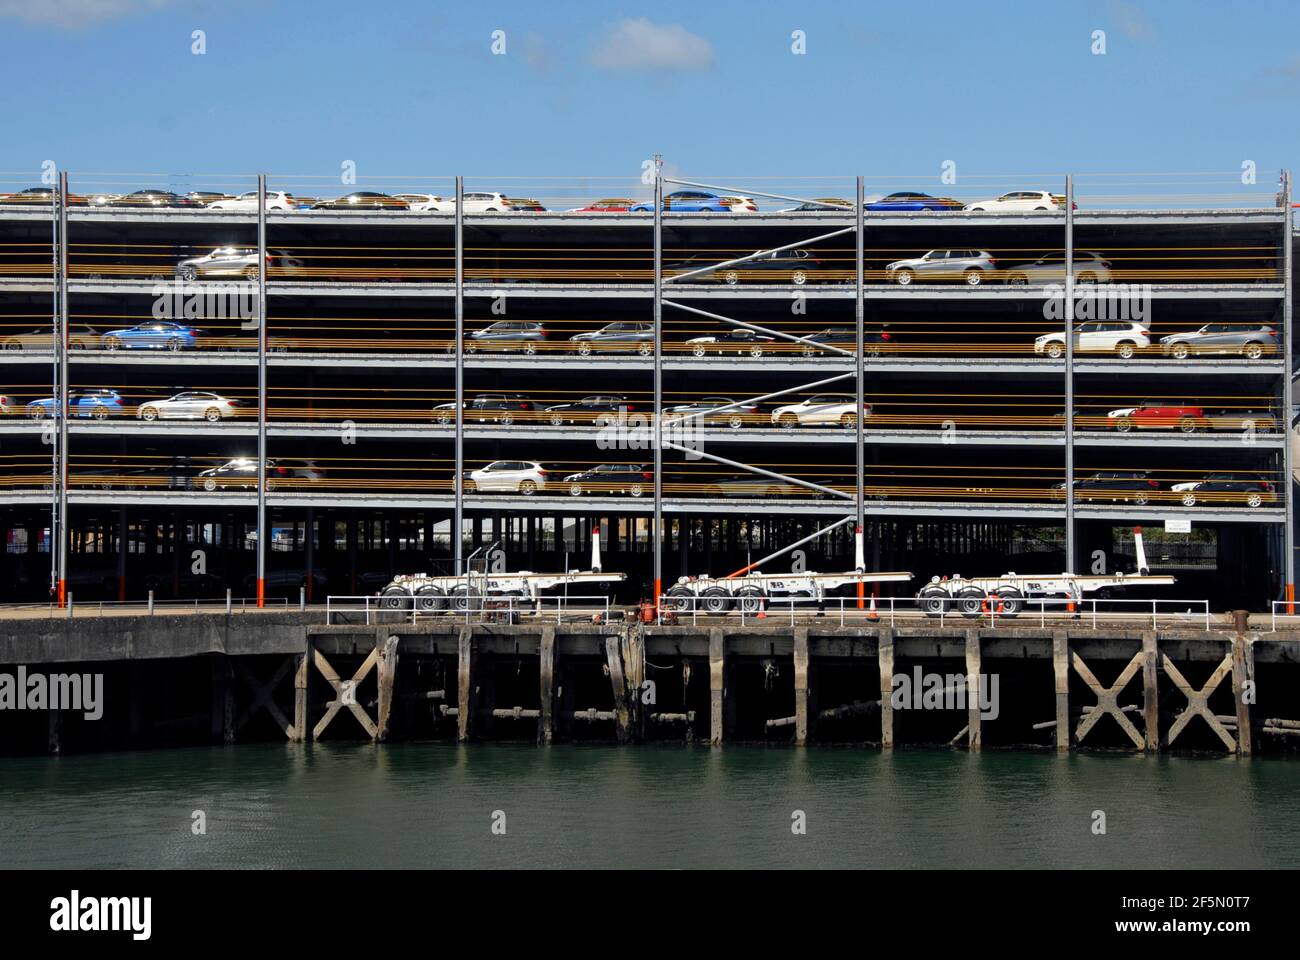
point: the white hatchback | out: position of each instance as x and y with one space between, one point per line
510 476
823 410
1120 337
1020 201
246 202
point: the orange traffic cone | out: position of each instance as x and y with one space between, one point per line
762 610
871 613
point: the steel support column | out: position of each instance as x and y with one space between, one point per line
458 481
1288 392
657 533
59 534
860 366
1069 373
261 389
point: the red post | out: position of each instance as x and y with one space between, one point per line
63 593
261 591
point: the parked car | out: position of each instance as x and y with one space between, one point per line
241 474
972 267
739 340
96 404
1120 337
608 205
1021 201
208 197
154 198
190 405
1158 415
427 202
1248 488
823 410
1089 267
511 476
1262 421
875 338
758 487
633 479
905 202
618 337
508 335
486 203
784 266
735 418
1250 340
80 337
594 409
1115 486
9 407
820 205
153 335
38 196
247 202
227 262
502 408
699 201
362 200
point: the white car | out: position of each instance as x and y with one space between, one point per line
192 405
1120 337
484 203
8 407
1089 267
1021 201
275 200
427 202
511 476
823 410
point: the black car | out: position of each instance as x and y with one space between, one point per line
39 195
634 479
875 337
503 408
363 200
740 340
1128 486
591 409
751 485
1228 488
154 198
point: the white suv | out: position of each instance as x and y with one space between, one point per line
510 476
823 410
1119 337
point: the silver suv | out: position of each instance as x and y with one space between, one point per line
971 267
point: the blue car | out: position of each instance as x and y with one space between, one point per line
697 201
907 202
97 404
154 335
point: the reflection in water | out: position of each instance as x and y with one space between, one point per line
422 805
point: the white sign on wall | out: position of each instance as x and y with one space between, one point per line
1178 526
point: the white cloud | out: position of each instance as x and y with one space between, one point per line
71 14
638 44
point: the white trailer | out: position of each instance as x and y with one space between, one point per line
749 592
1006 595
428 593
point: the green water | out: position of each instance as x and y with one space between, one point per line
421 805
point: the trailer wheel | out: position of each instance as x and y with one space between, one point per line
464 598
678 598
970 602
715 600
430 599
1010 601
933 601
750 600
394 598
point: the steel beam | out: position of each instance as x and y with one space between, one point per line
261 389
1069 374
59 533
657 532
458 482
1288 390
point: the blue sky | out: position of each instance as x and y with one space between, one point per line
594 88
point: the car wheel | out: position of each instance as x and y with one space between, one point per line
903 277
1252 351
112 343
209 484
1086 277
1125 350
251 274
212 414
731 278
442 418
557 420
471 347
36 413
1188 499
1254 499
755 351
189 274
1180 351
174 344
507 419
635 490
584 349
1056 350
1141 498
799 278
149 413
575 489
1017 280
788 420
735 421
1187 424
809 350
527 487
848 421
99 413
698 350
872 350
645 349
1040 209
1124 424
13 345
530 348
974 278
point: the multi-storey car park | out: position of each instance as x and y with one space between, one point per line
972 431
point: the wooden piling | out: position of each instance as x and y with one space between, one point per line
885 656
717 692
1061 669
466 702
54 738
1150 691
974 731
800 686
1243 673
223 700
622 718
387 678
546 657
301 672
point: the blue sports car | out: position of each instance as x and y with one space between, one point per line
154 335
697 201
99 404
905 202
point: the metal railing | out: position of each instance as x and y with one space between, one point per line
469 609
1286 611
97 608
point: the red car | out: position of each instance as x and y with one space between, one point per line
1159 415
608 205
